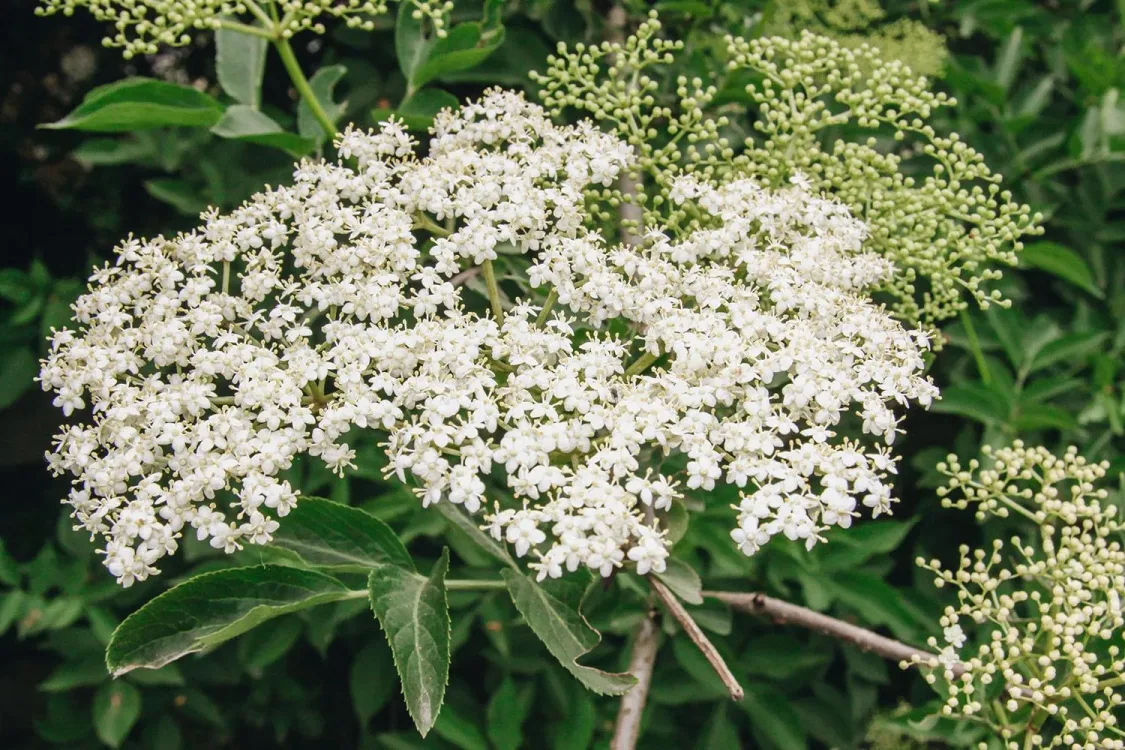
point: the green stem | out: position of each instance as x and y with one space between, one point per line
475 585
302 85
493 291
974 345
257 12
245 28
640 365
422 221
552 298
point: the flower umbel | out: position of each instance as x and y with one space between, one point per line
737 353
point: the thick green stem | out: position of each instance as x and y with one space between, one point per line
550 303
475 585
422 221
643 362
974 345
302 85
493 290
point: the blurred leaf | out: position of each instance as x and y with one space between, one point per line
323 83
110 152
858 544
117 706
974 400
209 609
16 372
720 732
140 103
466 45
243 123
576 730
372 680
1062 262
74 674
1074 348
418 112
267 643
875 601
683 581
414 615
773 717
412 45
780 657
552 612
459 730
240 64
178 194
505 720
328 535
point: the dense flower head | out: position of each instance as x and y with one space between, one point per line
741 353
142 27
1032 646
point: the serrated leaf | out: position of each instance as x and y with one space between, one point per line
371 680
240 64
209 609
139 104
682 579
117 706
1062 262
414 614
244 123
552 613
328 535
323 84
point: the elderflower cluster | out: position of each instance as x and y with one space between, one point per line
745 351
1032 647
141 27
944 230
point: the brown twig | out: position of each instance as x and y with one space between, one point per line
465 275
775 610
628 726
696 634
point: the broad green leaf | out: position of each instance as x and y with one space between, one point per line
178 194
552 613
782 656
16 372
418 112
323 83
577 732
209 609
864 540
773 717
463 47
1034 416
505 719
675 520
682 579
414 614
139 104
168 675
244 123
117 706
325 534
1062 262
412 45
371 679
1074 348
720 733
240 64
974 400
875 601
521 52
459 730
74 674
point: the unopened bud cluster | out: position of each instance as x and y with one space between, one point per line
1033 645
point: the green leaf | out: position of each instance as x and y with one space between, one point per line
108 152
459 730
178 194
1074 349
781 656
168 675
521 52
974 400
1062 262
411 43
875 601
682 579
773 717
244 123
864 540
240 64
414 614
209 609
371 679
465 46
323 83
577 732
139 104
74 674
461 520
117 706
552 613
328 535
720 732
17 371
505 719
1008 60
266 644
675 520
418 112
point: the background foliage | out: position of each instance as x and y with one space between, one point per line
1039 89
